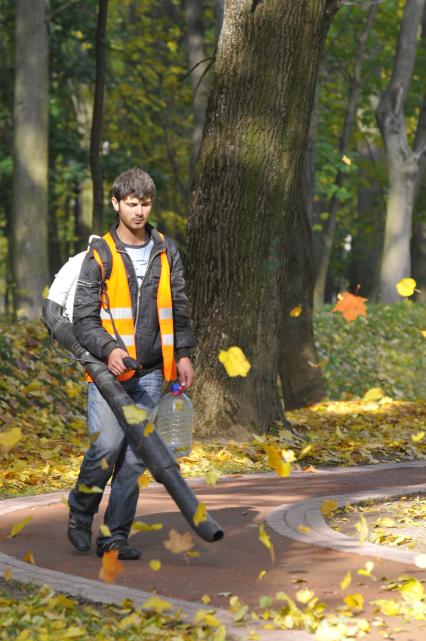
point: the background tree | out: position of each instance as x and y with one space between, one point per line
246 190
30 158
403 162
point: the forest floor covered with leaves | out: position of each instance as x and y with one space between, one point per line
374 369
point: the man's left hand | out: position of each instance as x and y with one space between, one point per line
185 372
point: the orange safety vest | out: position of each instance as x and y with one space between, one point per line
117 302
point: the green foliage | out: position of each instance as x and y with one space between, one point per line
386 349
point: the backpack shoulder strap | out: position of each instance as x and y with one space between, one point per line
104 252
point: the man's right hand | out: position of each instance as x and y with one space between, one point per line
115 361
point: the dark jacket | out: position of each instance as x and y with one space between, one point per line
86 315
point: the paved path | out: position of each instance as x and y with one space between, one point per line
230 566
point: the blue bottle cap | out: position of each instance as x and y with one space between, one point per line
176 389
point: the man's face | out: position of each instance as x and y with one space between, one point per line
132 212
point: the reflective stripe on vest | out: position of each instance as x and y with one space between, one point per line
120 306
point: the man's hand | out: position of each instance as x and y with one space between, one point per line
185 372
115 361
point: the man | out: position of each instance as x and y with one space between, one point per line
143 315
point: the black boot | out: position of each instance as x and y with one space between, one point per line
126 552
79 533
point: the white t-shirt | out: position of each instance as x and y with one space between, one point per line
139 255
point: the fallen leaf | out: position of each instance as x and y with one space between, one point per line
155 565
303 529
178 543
310 469
328 507
419 436
28 557
261 574
143 480
276 461
296 311
264 538
157 604
205 599
10 438
406 287
200 514
89 490
134 414
304 595
234 361
361 527
105 530
373 394
212 477
350 306
111 566
346 581
206 618
354 601
7 574
367 569
19 526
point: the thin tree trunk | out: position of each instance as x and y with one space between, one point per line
333 207
246 185
98 107
30 156
198 64
403 163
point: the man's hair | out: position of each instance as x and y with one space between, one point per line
133 182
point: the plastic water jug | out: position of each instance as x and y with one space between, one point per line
175 419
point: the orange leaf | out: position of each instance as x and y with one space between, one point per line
28 557
178 543
111 566
310 469
351 306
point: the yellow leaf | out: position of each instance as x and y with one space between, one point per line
205 599
276 461
178 543
143 480
10 438
155 565
264 538
140 526
234 361
105 530
28 557
346 160
19 526
420 561
93 437
388 607
303 529
361 527
104 464
423 332
296 311
74 631
212 476
72 390
373 394
89 490
131 620
134 414
346 581
149 428
200 514
367 569
206 618
413 590
261 574
157 604
111 566
354 601
406 287
7 574
328 507
305 595
419 436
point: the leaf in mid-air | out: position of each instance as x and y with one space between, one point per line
406 287
264 538
178 543
111 566
351 306
234 361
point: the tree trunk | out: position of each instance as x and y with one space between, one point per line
301 379
246 188
403 163
30 156
98 108
334 204
198 64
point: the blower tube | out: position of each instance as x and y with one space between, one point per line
151 448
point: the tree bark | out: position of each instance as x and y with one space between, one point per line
246 188
333 206
301 380
98 108
198 64
30 157
403 162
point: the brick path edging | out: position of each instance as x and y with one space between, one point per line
286 519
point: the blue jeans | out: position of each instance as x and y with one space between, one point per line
123 464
